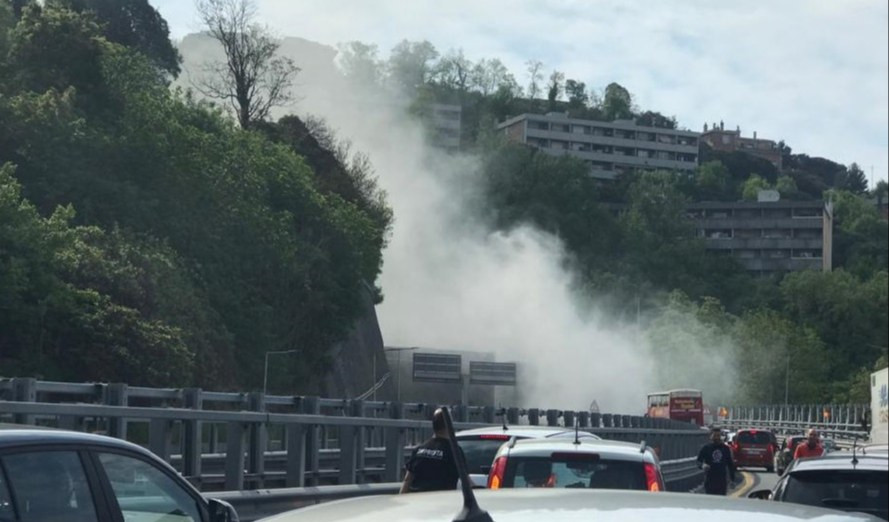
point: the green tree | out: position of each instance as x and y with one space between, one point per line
577 95
135 24
361 64
410 65
786 186
535 76
554 88
750 189
852 179
617 103
849 314
861 236
712 181
776 357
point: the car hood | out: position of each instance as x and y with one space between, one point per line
560 505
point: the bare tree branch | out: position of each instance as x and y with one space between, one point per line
253 79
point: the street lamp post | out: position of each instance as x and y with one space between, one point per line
265 373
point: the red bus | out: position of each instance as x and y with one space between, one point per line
682 405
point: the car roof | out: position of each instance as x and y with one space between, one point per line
841 461
544 447
561 505
521 431
16 435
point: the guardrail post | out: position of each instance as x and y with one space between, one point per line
607 420
234 456
356 409
595 420
296 455
312 406
533 416
258 439
626 421
24 389
159 438
191 436
116 395
512 416
488 414
583 419
552 417
394 445
568 416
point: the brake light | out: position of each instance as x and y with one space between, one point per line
494 437
653 479
498 470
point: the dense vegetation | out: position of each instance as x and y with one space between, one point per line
144 237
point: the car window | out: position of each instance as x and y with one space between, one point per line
527 472
7 514
50 486
145 493
847 490
751 437
479 453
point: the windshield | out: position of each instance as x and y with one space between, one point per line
529 472
848 490
751 437
479 453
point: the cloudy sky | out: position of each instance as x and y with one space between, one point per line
811 72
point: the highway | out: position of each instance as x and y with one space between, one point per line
753 479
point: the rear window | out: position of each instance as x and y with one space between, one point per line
479 453
751 437
848 490
529 472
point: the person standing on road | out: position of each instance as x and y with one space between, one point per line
812 447
432 466
715 459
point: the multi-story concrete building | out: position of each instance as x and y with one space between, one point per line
610 148
445 120
769 235
731 141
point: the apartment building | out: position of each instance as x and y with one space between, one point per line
768 235
446 121
610 148
731 141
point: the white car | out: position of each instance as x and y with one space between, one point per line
585 463
480 445
563 505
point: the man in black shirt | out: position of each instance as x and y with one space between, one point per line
432 466
715 459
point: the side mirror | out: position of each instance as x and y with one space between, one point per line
221 511
761 494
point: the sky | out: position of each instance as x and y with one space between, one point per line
813 73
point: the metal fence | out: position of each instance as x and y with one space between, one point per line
841 421
238 441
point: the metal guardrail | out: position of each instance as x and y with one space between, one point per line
782 427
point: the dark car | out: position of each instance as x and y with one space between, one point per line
785 454
858 483
66 476
754 448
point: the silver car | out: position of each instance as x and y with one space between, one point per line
480 445
563 505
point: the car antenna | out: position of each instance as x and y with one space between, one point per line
470 512
503 418
642 447
576 432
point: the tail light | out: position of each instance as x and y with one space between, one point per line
498 470
653 479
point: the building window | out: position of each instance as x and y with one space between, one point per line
807 212
748 233
776 233
718 233
807 233
807 254
747 254
778 254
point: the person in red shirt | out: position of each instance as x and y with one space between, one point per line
812 447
